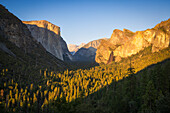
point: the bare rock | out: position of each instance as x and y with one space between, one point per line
48 35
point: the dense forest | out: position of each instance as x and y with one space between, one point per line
140 83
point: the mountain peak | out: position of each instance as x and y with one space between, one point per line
120 37
74 48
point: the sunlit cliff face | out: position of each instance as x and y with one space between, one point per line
45 24
126 43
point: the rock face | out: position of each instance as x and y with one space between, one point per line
48 35
87 52
111 58
74 48
126 43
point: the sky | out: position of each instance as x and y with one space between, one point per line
82 21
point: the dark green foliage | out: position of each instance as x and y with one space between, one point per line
26 67
149 98
145 97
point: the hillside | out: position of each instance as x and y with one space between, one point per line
145 91
20 52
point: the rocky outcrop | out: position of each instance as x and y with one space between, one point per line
87 52
126 43
119 37
111 58
48 35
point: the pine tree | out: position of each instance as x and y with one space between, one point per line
149 98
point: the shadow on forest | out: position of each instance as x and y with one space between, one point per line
141 71
150 66
106 96
82 65
85 54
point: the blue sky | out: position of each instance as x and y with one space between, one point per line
86 20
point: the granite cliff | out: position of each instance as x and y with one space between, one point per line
126 43
48 35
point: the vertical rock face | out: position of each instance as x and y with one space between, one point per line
126 43
111 58
106 47
48 35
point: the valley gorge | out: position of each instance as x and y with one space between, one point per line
41 73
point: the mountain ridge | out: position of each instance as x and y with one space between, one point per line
126 43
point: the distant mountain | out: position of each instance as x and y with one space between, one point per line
126 43
87 52
48 35
74 48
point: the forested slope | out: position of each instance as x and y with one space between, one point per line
148 91
25 67
117 87
20 53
